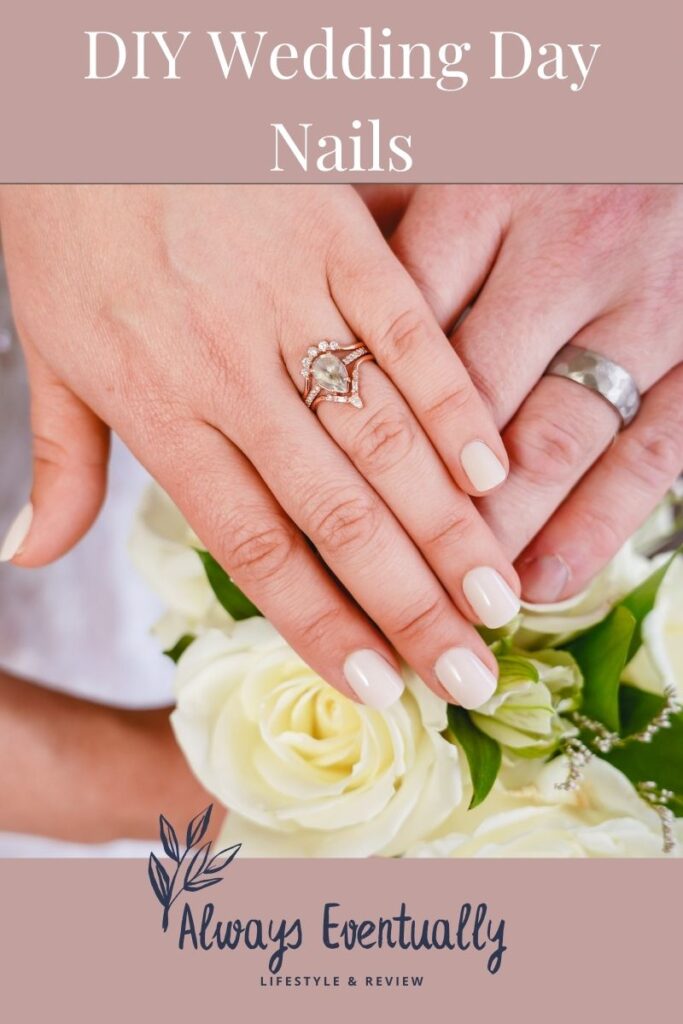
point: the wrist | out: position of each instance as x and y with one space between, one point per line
153 778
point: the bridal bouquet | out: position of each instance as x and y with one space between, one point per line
579 753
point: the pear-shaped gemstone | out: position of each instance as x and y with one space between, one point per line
331 374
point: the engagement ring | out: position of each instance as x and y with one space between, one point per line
330 371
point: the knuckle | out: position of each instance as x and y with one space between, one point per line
456 402
166 437
344 523
418 620
546 451
220 364
160 412
451 532
420 274
49 451
601 216
484 375
403 335
383 440
257 552
85 454
216 346
487 388
654 456
315 631
604 536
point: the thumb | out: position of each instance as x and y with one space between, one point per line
70 454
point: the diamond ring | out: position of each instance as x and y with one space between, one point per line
330 371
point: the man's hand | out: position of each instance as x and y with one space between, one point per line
602 267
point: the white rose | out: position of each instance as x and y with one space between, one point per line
525 815
303 770
660 659
162 547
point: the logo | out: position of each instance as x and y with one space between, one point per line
467 926
194 871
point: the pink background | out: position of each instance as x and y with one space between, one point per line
623 126
81 940
587 941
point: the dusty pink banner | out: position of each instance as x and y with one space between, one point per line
618 122
82 941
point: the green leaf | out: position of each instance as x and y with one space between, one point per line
180 647
660 760
601 653
228 593
483 754
638 708
641 601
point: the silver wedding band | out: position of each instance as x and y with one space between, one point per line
599 374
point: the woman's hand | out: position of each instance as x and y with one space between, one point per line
179 316
602 267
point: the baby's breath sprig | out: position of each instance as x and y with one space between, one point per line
601 738
605 741
578 755
658 799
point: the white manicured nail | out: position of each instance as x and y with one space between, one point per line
490 596
466 678
17 534
484 469
372 679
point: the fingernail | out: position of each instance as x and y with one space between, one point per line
17 534
373 679
466 678
491 598
544 579
484 469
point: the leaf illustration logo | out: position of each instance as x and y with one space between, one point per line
192 873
